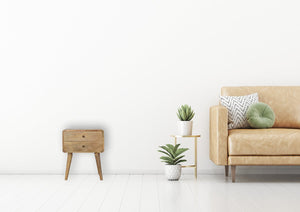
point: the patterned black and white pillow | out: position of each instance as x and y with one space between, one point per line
237 107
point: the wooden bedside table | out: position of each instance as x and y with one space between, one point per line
83 141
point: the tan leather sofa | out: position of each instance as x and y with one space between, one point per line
279 145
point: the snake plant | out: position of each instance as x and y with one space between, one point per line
173 154
185 113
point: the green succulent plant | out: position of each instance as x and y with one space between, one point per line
185 113
173 154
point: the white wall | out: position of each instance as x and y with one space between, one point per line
125 67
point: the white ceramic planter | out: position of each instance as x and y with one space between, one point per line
173 172
185 127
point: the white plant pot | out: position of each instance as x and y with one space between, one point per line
173 172
185 128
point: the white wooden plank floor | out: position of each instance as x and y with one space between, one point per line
149 193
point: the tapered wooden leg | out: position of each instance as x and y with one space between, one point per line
70 155
196 158
226 171
233 173
98 161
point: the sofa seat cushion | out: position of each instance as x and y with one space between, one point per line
274 141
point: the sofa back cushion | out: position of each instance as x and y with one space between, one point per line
284 100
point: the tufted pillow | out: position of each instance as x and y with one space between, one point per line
237 108
260 115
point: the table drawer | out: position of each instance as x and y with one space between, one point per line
83 147
83 135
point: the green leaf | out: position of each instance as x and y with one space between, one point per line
191 116
185 113
166 148
175 148
170 146
181 161
188 110
166 153
169 163
167 159
172 154
171 149
178 115
178 158
180 151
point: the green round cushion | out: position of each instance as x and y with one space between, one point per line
260 115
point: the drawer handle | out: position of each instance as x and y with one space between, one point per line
83 146
83 136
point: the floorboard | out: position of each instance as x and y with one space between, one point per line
132 196
95 198
149 194
113 200
57 200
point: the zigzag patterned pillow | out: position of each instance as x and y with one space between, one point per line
237 107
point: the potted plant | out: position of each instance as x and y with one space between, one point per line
172 157
185 115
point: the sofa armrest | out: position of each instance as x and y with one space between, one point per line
218 134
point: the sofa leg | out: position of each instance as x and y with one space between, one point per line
226 171
233 173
